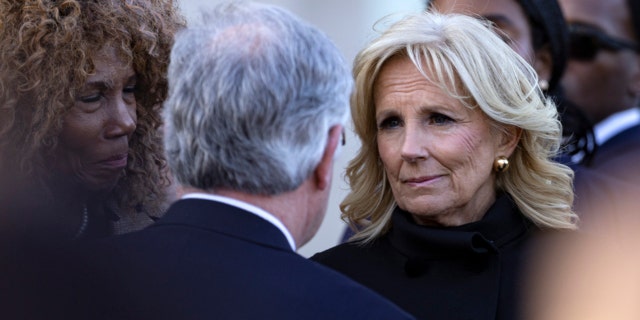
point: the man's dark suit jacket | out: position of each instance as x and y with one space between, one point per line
208 260
610 184
619 157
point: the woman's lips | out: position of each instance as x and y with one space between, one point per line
116 162
418 181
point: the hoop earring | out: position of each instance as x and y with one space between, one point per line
501 164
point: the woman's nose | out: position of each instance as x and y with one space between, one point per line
123 118
413 145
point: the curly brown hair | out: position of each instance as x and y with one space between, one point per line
46 50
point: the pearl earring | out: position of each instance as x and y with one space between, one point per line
543 84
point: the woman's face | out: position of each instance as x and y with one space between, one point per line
507 16
94 142
438 155
512 25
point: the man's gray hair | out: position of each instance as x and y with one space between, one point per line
253 93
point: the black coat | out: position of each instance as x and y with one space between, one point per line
467 272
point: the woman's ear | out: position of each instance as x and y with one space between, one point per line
543 64
509 140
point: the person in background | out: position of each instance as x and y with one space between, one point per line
595 274
455 179
81 86
603 78
256 108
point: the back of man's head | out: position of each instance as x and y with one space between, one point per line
253 93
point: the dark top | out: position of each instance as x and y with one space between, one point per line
208 260
619 156
467 272
35 232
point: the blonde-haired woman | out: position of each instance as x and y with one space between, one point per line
455 177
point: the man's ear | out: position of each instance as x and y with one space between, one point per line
324 169
509 140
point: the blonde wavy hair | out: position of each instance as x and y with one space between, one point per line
46 50
471 63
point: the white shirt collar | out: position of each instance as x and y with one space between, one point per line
616 123
247 207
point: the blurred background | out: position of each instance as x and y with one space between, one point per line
350 25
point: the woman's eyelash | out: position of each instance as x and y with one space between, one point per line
130 89
390 122
90 98
435 118
96 97
439 118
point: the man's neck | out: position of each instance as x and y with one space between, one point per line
288 207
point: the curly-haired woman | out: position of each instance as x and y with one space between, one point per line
81 85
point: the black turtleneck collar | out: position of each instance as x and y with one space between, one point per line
502 223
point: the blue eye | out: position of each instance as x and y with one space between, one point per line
390 123
439 119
